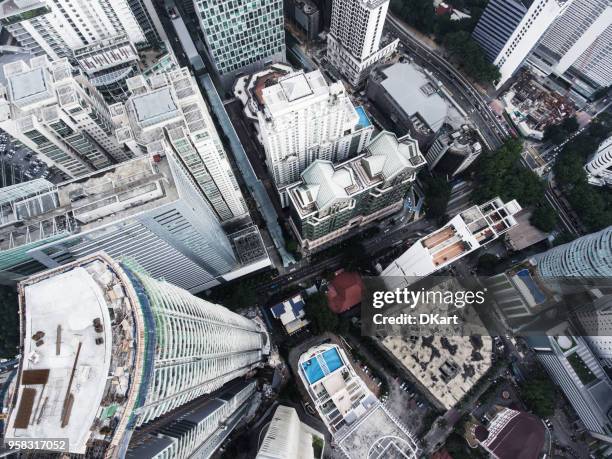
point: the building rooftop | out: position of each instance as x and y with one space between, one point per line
295 86
344 291
416 92
466 232
513 434
352 414
324 183
155 106
291 314
89 202
27 84
74 378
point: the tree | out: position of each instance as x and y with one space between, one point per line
487 263
9 326
470 57
321 318
437 193
557 133
544 218
540 394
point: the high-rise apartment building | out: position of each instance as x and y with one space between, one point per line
350 411
148 209
509 29
59 115
471 229
241 37
334 200
453 151
576 48
587 256
199 429
99 36
599 166
301 118
288 437
106 349
167 113
354 39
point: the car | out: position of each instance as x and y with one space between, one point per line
420 404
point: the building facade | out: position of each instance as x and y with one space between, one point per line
354 39
287 437
241 37
599 167
509 29
167 114
303 118
59 115
334 200
576 48
138 346
147 209
587 256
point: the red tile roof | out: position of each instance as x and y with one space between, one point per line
522 437
344 291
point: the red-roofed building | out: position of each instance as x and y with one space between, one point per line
344 291
443 8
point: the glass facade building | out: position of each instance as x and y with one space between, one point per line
242 36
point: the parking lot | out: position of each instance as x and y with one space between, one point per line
19 164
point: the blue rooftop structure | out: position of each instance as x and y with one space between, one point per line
291 313
364 121
321 365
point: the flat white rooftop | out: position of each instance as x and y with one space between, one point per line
154 105
27 84
295 87
65 368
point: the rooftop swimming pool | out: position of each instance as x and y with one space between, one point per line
364 121
538 296
321 365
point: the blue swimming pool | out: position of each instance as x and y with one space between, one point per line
364 121
321 365
538 296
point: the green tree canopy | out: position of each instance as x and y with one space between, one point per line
321 318
544 218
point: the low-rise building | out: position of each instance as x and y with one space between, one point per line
357 421
414 99
334 200
291 314
345 291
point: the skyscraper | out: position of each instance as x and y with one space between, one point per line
288 437
576 48
168 114
599 167
587 256
241 37
59 115
354 39
301 118
148 209
332 201
107 348
509 29
101 37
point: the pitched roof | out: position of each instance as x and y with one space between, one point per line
344 291
327 184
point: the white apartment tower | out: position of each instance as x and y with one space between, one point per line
288 437
509 29
59 115
599 167
136 348
577 46
167 114
354 40
99 36
303 119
